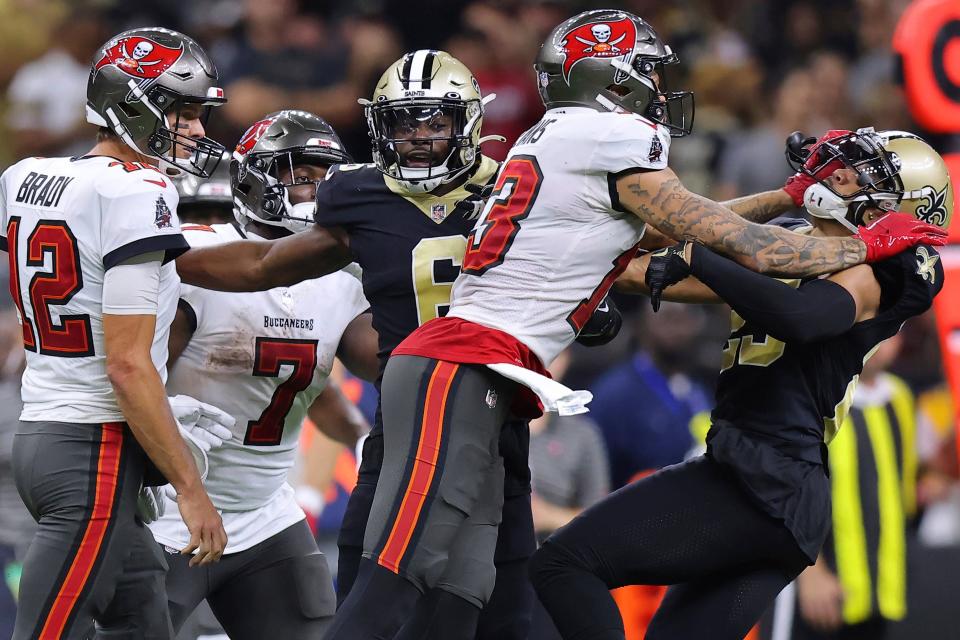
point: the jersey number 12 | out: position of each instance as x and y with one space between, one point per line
51 240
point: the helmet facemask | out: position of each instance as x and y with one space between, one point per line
672 109
398 129
267 177
178 151
878 181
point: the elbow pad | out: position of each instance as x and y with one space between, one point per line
603 326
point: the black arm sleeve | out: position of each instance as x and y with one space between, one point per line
818 309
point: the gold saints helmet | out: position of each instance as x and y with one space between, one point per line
897 171
927 191
424 120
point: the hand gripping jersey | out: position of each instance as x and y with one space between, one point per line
263 358
553 237
410 247
66 221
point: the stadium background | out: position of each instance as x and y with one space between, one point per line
760 70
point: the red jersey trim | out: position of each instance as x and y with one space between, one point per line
464 342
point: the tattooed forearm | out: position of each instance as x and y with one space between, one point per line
662 201
761 207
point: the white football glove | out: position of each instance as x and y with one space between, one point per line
203 427
150 504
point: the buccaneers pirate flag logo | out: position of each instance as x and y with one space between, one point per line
140 57
597 40
252 136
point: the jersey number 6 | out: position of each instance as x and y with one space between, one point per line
271 354
53 240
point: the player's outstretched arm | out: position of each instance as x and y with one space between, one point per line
338 418
251 265
659 199
788 311
761 207
758 207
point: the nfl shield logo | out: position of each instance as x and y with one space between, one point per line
438 212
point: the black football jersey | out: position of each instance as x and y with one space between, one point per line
778 403
409 247
801 392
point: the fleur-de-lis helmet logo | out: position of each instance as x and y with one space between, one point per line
933 208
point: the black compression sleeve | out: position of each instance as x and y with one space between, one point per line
818 309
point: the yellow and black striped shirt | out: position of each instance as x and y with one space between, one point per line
873 469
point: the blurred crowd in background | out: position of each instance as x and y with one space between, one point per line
759 70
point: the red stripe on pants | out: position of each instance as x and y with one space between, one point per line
108 468
424 467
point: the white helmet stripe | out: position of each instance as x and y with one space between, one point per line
417 68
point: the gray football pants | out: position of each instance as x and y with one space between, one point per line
91 558
279 588
440 492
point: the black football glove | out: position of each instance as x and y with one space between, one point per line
472 206
603 326
667 267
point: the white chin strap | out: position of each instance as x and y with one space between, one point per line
299 216
822 203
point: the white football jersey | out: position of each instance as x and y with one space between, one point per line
552 238
66 221
263 358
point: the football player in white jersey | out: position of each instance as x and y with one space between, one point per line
91 241
567 214
264 358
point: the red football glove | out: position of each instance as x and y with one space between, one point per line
797 184
895 232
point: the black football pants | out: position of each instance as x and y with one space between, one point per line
691 526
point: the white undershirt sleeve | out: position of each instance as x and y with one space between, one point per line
133 287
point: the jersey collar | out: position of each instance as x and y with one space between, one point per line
438 208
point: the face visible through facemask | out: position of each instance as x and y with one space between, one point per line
301 186
830 203
422 136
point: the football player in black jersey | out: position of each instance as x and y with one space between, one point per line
729 529
404 220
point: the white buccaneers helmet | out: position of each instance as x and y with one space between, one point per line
421 88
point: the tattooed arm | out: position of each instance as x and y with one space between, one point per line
761 207
659 199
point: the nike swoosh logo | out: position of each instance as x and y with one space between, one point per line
604 307
159 183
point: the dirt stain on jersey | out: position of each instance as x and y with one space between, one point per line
234 357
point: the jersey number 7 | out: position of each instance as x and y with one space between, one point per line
72 337
270 355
